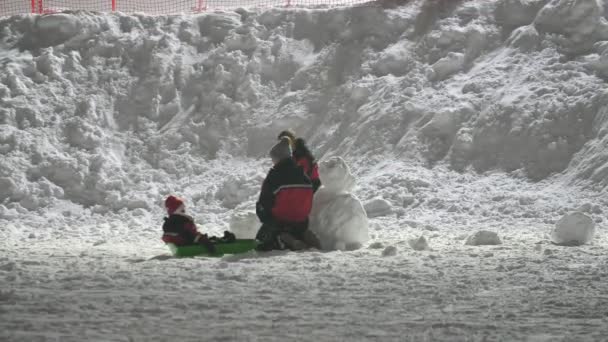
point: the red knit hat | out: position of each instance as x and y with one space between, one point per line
173 203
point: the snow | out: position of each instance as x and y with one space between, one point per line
389 251
573 229
448 65
378 207
482 238
338 217
419 244
459 117
244 224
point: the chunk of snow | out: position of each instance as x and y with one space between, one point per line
515 13
55 28
483 237
8 188
573 230
525 38
389 251
571 17
448 65
419 244
217 26
378 207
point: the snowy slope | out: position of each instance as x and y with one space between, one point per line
148 99
456 116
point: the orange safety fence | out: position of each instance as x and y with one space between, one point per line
156 7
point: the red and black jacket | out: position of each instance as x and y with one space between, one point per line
180 230
286 195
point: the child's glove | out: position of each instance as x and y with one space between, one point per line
204 240
228 237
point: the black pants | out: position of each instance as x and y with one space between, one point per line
268 235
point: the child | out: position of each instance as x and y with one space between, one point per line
180 230
307 162
285 203
303 157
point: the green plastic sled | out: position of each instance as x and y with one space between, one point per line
221 248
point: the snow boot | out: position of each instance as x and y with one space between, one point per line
228 237
311 239
268 238
292 243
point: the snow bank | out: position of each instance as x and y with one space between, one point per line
338 217
573 230
112 112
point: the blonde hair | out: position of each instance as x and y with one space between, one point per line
290 135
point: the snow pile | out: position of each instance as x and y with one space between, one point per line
580 23
244 224
482 238
338 217
110 113
573 230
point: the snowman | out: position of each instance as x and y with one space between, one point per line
338 217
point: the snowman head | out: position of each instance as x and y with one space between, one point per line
335 175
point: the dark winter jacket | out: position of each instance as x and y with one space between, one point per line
180 230
305 159
286 196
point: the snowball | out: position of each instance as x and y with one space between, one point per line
483 237
419 244
573 230
378 207
338 217
244 224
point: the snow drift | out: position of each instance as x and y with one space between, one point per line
114 111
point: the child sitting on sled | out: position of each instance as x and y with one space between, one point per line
179 228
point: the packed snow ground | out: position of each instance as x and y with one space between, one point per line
455 117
